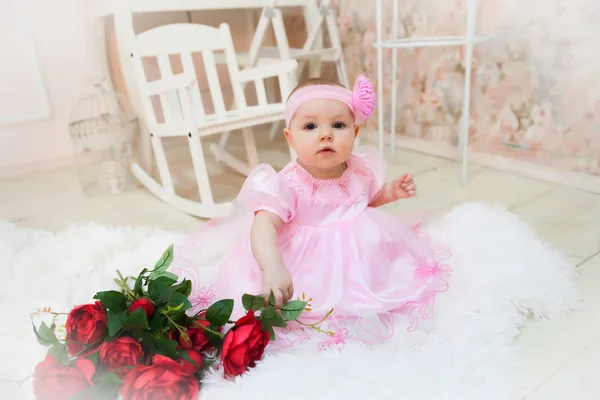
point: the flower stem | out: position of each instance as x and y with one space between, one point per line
56 314
315 327
122 283
179 328
219 334
182 331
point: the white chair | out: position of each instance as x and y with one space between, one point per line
181 111
311 50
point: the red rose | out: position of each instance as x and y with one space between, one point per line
244 344
121 353
196 334
52 380
144 303
164 379
85 325
191 366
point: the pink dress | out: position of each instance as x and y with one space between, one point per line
341 253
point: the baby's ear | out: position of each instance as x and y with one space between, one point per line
356 129
288 135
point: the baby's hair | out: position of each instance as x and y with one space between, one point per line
315 81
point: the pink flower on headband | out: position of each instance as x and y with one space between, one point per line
363 98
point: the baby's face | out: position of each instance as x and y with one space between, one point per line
322 133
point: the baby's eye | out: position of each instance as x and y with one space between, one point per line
310 126
339 125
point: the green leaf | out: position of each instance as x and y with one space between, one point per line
267 313
215 340
293 309
45 335
146 340
112 300
156 321
163 264
178 302
59 351
267 326
159 289
162 281
272 317
180 318
139 283
116 322
254 303
156 345
165 274
137 320
185 287
163 298
218 313
93 357
48 333
278 321
166 347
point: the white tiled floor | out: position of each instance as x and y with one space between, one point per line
562 355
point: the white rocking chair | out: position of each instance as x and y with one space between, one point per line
183 112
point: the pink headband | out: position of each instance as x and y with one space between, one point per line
361 101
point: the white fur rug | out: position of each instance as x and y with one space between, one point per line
502 274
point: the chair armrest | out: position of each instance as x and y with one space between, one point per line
268 70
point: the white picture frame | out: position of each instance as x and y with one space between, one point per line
23 93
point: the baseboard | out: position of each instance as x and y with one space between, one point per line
19 171
574 179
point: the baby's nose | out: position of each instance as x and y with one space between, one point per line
325 134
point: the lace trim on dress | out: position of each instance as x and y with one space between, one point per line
309 188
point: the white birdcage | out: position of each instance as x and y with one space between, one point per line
104 137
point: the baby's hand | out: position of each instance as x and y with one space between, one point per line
277 280
404 187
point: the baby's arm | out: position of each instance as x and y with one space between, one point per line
400 188
265 246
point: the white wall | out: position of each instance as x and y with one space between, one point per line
68 69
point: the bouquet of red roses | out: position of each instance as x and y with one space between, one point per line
141 342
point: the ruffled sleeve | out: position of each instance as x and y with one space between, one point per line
265 190
374 166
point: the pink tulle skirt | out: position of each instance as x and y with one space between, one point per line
368 269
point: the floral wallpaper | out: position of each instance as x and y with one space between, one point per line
536 80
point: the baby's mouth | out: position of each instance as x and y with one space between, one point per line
327 150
